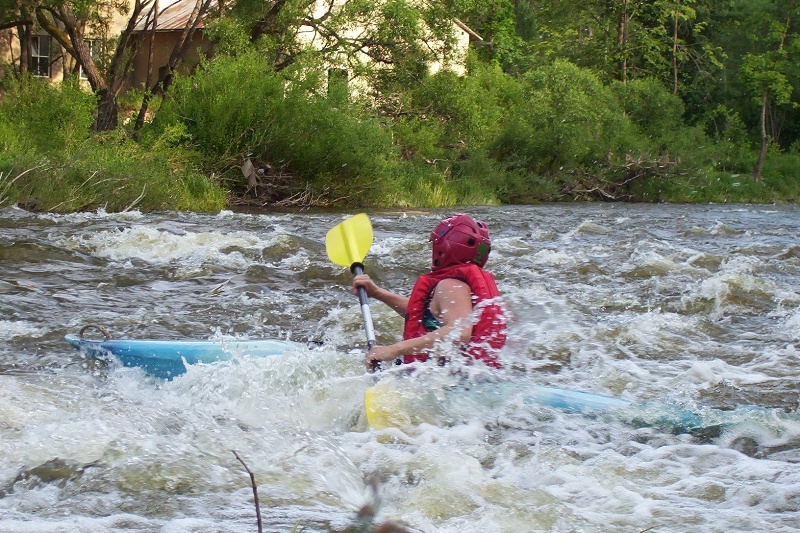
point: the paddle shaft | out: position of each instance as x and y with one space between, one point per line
358 268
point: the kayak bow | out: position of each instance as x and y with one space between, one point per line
168 358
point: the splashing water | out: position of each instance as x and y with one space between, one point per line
693 306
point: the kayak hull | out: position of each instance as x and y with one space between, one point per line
386 404
572 400
166 359
394 405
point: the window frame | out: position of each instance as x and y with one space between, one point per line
37 59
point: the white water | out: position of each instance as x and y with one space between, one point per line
696 305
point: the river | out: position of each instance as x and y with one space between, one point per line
697 306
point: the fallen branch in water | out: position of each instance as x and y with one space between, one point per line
614 183
365 517
255 490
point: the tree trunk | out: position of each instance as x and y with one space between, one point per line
25 34
176 57
675 55
762 156
107 111
622 41
148 94
25 43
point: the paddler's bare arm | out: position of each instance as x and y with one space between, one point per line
395 301
451 305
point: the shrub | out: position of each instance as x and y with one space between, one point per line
566 118
238 107
654 111
728 148
37 116
50 161
782 175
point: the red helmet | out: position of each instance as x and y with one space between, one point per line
460 239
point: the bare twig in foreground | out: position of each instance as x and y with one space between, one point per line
255 489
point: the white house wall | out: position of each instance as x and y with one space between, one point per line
456 61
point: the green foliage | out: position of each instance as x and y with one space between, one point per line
229 35
764 74
422 187
520 187
50 161
223 107
496 22
479 179
727 147
659 127
650 107
566 119
238 107
56 118
707 187
538 117
448 124
450 114
782 176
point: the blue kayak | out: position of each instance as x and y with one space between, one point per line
393 404
168 358
670 417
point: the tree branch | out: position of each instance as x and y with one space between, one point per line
14 23
255 489
49 26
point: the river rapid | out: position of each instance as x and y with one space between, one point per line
696 306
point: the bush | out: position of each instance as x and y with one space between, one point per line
728 148
660 131
471 108
449 122
37 116
50 161
782 175
565 119
237 107
655 112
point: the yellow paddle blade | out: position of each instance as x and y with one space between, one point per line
386 407
349 242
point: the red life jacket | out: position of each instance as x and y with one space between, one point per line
488 333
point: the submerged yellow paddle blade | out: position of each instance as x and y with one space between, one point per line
349 242
386 407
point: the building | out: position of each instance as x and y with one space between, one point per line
158 35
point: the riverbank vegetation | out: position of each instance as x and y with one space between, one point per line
664 102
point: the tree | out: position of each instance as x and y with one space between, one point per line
767 71
766 77
502 24
179 51
67 22
674 13
72 23
19 14
364 37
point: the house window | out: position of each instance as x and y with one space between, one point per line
40 56
94 48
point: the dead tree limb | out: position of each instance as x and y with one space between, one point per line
255 489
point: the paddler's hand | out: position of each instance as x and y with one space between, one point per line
393 300
379 354
363 280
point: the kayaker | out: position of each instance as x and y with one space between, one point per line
455 302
